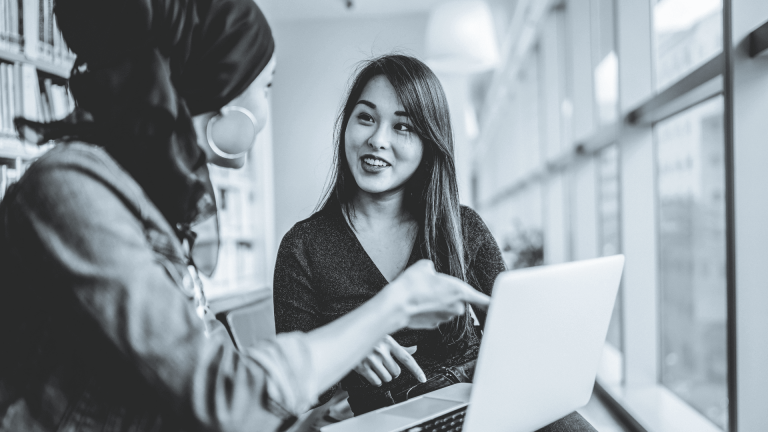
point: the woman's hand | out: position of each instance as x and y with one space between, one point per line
380 366
429 298
419 298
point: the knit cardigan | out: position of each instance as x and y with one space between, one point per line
323 272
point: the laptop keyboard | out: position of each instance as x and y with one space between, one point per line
451 422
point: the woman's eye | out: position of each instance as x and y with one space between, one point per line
402 127
365 117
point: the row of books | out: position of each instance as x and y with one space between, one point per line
55 101
29 27
235 210
236 200
237 269
23 93
10 25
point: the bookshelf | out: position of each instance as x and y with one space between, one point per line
34 72
246 227
34 68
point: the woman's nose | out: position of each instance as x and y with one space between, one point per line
380 138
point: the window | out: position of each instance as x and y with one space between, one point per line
606 63
687 33
692 258
609 230
661 156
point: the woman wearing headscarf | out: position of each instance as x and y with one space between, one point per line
103 321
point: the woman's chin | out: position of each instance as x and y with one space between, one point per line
378 189
380 184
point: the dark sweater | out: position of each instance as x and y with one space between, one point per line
323 272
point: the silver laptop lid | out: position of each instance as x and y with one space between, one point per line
544 336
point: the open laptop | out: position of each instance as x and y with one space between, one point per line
538 360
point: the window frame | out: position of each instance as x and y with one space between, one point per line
642 395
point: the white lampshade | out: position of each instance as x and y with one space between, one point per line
461 37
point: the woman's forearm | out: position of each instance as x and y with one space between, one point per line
339 346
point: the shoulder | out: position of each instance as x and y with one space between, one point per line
81 164
472 224
475 231
78 180
76 155
470 216
321 228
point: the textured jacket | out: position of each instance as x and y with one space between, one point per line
97 321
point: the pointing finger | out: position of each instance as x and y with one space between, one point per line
407 360
466 292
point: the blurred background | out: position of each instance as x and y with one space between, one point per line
583 128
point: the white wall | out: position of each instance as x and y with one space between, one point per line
315 60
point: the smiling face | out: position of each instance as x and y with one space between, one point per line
382 149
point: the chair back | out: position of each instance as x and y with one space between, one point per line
249 324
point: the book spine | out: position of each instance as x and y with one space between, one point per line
4 114
60 99
41 22
49 28
30 91
15 31
8 98
43 7
4 30
20 167
70 101
45 104
18 90
20 19
47 89
31 27
56 34
3 180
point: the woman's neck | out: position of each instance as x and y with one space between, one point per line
376 209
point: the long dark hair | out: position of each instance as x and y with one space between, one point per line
431 194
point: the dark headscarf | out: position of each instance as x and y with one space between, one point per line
143 68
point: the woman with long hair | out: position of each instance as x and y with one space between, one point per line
393 200
104 321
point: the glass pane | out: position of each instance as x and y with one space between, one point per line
606 63
609 229
687 34
692 273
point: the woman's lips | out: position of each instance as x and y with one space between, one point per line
373 165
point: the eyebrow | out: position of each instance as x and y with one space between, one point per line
372 105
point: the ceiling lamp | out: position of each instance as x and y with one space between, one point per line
461 37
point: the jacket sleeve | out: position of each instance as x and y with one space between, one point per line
80 220
296 301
